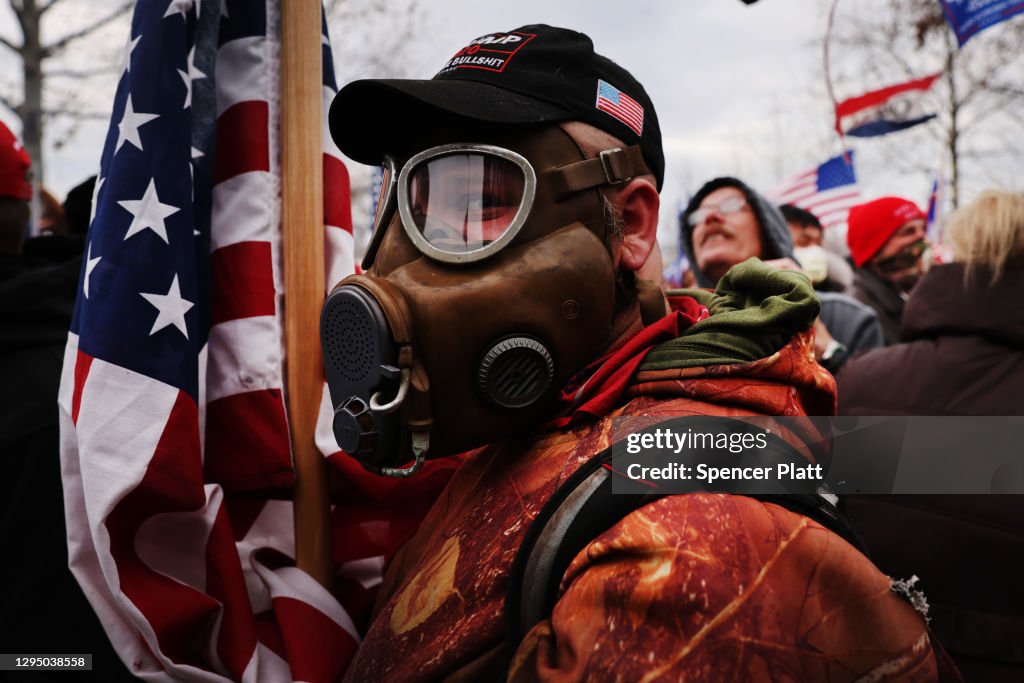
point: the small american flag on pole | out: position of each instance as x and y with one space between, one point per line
828 190
620 105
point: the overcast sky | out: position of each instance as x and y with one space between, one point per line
738 89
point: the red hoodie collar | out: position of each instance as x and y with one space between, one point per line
596 389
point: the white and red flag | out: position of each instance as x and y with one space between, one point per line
175 447
886 110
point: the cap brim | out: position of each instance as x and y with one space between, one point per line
366 115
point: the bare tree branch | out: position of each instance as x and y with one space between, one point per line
51 114
10 46
48 6
59 45
1009 91
9 103
19 14
80 74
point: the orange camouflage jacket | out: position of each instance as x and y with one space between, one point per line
699 587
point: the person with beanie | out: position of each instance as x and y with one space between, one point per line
887 242
15 194
727 222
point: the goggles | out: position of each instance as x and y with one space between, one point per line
460 203
725 207
457 203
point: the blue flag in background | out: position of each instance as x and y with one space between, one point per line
968 17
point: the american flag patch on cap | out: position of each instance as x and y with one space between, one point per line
620 105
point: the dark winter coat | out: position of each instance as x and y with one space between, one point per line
963 354
42 609
883 298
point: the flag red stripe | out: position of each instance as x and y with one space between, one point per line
633 122
795 196
225 584
835 213
269 633
625 117
242 513
242 144
242 282
844 198
82 364
841 208
337 194
870 99
247 446
838 216
630 105
318 648
631 114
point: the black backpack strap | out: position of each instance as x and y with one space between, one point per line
584 507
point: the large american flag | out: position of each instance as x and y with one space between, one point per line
175 446
620 105
828 190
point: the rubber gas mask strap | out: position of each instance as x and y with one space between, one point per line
387 203
610 167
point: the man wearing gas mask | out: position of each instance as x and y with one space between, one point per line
887 242
499 314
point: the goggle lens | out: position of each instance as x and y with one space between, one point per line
463 202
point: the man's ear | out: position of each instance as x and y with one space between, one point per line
639 202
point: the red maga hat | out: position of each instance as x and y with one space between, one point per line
870 225
14 167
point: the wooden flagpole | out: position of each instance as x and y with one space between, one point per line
302 211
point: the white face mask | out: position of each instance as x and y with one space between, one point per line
814 262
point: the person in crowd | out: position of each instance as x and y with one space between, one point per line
78 207
829 272
58 241
527 197
727 222
887 243
962 354
15 195
42 609
51 219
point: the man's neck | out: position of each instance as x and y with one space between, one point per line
626 323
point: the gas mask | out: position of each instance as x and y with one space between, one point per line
488 285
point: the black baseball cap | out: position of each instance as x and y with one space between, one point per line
532 74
